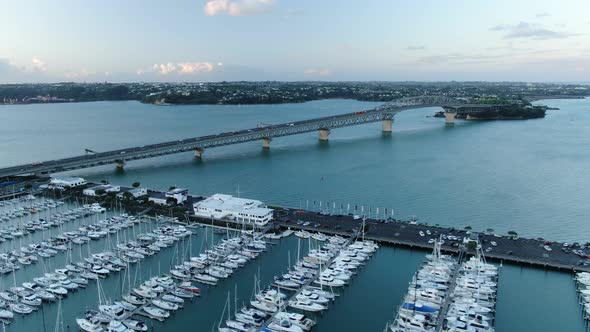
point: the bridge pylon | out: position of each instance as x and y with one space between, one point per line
450 118
324 134
266 143
199 153
120 164
387 125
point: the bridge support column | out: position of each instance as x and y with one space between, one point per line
199 153
266 142
387 125
120 164
324 134
450 118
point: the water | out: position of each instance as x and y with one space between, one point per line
528 176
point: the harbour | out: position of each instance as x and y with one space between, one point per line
199 266
390 263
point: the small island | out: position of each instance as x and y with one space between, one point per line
518 109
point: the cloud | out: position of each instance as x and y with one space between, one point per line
179 68
7 67
320 72
38 64
11 73
416 47
237 7
528 30
544 14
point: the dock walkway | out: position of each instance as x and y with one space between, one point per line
308 283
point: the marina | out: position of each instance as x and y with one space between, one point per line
388 272
157 296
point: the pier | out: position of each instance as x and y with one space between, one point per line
307 284
444 308
517 250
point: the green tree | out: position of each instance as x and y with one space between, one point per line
513 234
136 184
100 192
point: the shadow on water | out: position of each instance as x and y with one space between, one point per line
323 145
198 162
119 172
265 153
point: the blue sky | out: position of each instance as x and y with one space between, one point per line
214 40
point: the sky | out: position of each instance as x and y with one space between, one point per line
292 40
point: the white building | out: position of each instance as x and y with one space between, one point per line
135 192
106 187
220 206
157 197
63 183
179 194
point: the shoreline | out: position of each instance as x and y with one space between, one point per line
157 103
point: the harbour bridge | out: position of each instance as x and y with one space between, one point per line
265 134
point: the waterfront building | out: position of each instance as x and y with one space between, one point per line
64 183
179 194
157 197
220 206
135 192
107 188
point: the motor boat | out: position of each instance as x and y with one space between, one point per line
6 314
114 311
297 319
135 299
21 308
307 305
284 325
135 325
187 286
156 313
165 305
117 326
88 326
125 305
145 293
173 299
264 306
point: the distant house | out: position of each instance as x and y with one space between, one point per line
135 192
178 194
65 183
107 188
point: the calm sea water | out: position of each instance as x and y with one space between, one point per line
528 176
